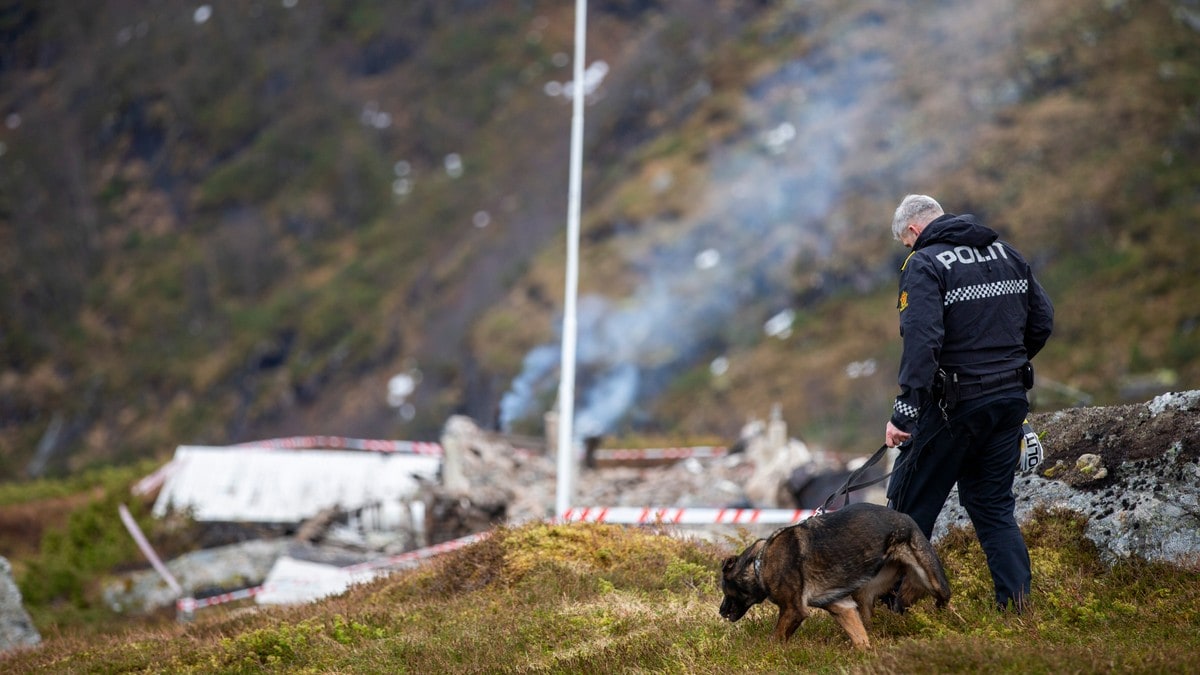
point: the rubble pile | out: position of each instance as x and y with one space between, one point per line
1133 471
753 474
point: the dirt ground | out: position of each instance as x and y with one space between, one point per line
22 525
1120 433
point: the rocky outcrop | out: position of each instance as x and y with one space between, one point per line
16 628
1134 471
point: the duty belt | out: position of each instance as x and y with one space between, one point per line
974 386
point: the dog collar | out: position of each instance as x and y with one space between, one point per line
759 556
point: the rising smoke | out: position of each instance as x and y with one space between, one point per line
821 121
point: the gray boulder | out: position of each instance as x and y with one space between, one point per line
1146 501
16 628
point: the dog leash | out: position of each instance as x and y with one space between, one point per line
850 485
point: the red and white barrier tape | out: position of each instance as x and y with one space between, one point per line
155 480
435 449
621 515
189 605
341 442
419 554
626 454
139 538
641 515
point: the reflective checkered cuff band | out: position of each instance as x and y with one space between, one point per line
905 410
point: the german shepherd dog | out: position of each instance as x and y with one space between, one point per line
840 562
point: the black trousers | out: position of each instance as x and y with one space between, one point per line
977 448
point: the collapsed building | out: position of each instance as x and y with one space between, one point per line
319 513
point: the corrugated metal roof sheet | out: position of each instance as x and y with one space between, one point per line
268 485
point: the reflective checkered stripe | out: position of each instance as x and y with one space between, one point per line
905 409
991 290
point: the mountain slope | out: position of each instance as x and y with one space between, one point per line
236 223
999 109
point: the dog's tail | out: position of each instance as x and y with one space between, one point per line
926 575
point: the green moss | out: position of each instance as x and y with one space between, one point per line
92 542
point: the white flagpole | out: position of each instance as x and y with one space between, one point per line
566 389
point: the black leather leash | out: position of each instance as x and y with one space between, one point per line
850 485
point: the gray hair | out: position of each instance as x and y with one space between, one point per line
914 209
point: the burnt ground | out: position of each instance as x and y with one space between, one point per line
1122 433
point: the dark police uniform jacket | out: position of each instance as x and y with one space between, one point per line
969 304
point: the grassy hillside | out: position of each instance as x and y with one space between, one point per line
235 224
261 210
593 598
219 227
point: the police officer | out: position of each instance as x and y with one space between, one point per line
972 315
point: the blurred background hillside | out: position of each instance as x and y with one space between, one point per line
232 221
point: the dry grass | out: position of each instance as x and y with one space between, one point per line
604 598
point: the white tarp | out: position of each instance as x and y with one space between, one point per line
294 581
269 485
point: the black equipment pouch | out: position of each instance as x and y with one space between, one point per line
1027 375
945 389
